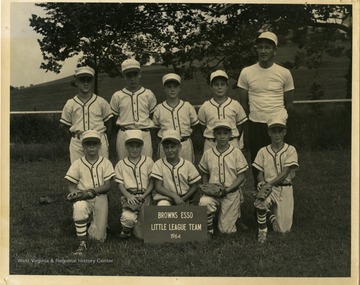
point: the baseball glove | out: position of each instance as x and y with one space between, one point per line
81 195
264 192
133 207
213 190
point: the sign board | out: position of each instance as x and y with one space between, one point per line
174 224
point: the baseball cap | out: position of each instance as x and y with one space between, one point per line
90 135
218 73
268 36
84 71
277 122
130 64
223 123
171 77
171 135
133 136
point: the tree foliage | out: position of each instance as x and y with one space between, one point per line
188 37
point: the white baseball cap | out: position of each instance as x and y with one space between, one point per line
171 135
133 135
277 122
171 77
268 36
84 71
129 65
90 135
222 123
218 73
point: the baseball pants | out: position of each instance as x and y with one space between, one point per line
122 151
186 152
96 211
281 201
134 220
229 210
76 148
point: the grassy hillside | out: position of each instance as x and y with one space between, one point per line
53 95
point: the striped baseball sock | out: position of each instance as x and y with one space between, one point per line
210 226
81 229
261 218
270 216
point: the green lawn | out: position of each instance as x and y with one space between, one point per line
318 246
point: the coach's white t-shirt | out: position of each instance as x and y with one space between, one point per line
266 87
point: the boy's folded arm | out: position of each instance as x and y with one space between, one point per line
281 177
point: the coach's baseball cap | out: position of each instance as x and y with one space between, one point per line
129 65
171 77
268 36
84 71
90 135
218 73
171 135
223 123
277 122
133 136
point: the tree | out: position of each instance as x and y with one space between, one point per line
189 37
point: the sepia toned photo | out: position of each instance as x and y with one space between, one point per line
179 143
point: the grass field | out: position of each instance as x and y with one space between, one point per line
318 246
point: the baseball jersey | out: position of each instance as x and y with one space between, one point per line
133 108
181 118
266 87
176 178
223 167
132 175
272 163
90 115
89 176
211 111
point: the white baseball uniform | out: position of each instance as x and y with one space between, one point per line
82 116
223 168
133 110
211 111
176 178
88 176
271 164
181 118
135 178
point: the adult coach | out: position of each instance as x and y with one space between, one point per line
266 91
86 111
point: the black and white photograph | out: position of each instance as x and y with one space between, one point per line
180 142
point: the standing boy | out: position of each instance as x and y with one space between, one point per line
266 90
226 165
132 107
175 178
135 184
176 114
92 174
221 107
86 111
277 164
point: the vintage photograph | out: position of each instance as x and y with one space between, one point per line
175 140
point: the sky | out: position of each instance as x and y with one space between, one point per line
25 53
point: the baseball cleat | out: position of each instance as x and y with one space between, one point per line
262 236
124 235
81 249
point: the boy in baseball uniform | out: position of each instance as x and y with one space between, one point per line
221 107
135 183
94 172
176 114
277 164
86 111
176 179
132 107
224 164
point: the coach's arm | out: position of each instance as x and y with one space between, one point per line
289 100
